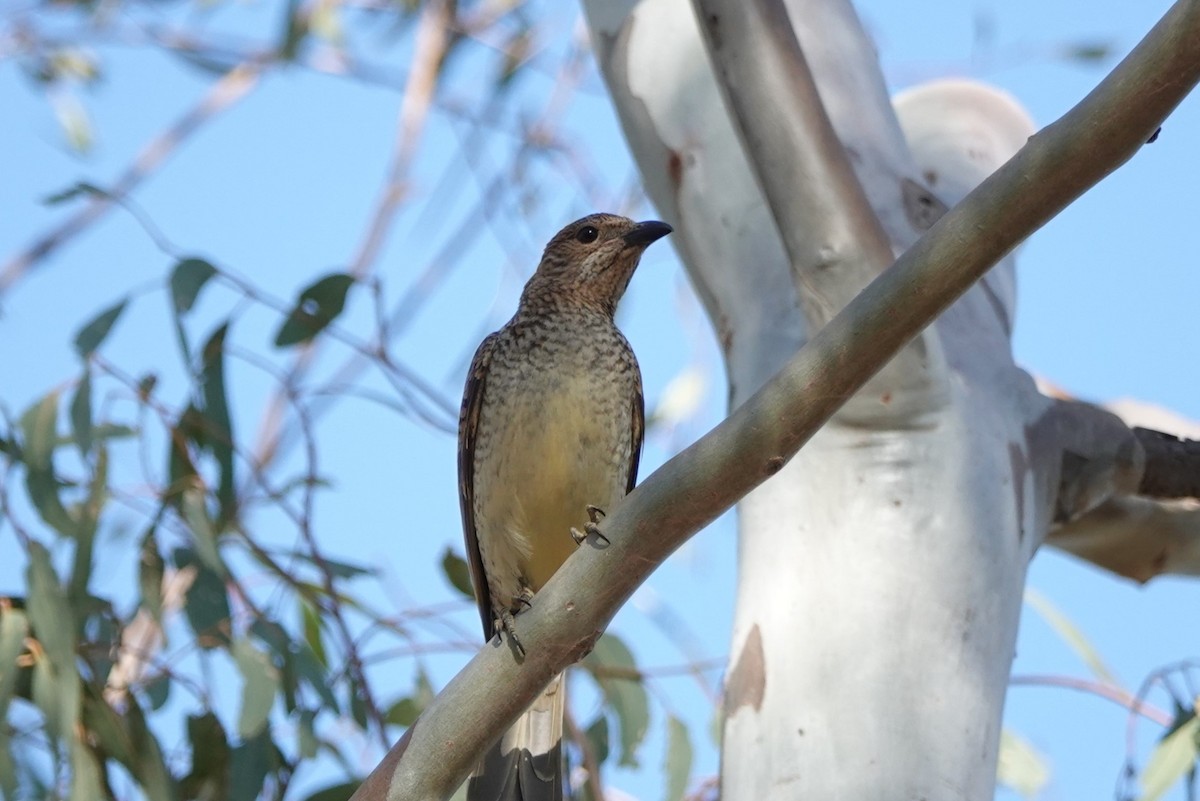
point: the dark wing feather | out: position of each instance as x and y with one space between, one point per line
638 431
468 425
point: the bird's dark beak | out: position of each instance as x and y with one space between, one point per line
646 232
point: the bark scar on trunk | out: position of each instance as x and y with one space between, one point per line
747 681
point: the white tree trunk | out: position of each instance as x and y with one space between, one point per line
881 571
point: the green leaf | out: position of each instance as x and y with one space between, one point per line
335 792
8 767
105 432
1021 767
206 603
313 672
158 690
181 470
627 697
677 764
209 776
597 735
405 711
43 487
93 334
38 426
81 413
56 683
308 744
14 627
457 573
187 279
312 631
1071 635
85 535
150 574
195 513
85 773
260 681
358 702
1174 756
148 766
273 635
218 426
48 609
318 306
251 762
1091 52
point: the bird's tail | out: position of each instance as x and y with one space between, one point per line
526 765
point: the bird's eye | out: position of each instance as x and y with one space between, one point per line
587 233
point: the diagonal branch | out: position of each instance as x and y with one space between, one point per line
800 163
761 435
800 149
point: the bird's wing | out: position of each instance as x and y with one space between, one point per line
638 433
468 425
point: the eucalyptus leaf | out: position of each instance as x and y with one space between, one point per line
260 681
318 306
336 792
188 277
677 764
206 604
626 697
93 334
81 413
1170 761
454 567
249 765
38 426
218 424
1020 766
211 757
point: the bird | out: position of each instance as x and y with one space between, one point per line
550 435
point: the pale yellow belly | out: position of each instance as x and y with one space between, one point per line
549 464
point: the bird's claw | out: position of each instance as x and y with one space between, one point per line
507 625
590 529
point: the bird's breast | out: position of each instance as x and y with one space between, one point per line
560 437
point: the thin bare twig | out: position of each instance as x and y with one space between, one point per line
1099 689
233 86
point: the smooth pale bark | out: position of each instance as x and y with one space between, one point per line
881 572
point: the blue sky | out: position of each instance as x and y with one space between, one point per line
280 187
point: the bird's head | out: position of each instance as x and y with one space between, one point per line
591 261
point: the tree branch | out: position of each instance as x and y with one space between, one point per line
759 437
1137 538
1172 465
797 157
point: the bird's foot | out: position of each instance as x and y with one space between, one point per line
507 624
591 528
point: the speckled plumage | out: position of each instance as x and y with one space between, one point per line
551 423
